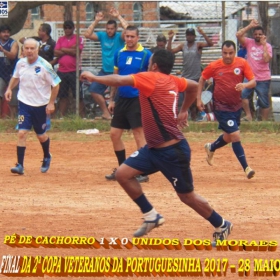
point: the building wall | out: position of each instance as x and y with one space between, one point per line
55 13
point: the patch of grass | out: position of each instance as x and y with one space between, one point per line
74 123
7 125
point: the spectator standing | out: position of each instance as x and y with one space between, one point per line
110 41
161 43
47 44
242 52
8 58
39 86
192 52
133 58
65 51
167 150
228 74
259 54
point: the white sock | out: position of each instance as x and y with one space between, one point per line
151 215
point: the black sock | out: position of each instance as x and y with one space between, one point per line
143 203
219 143
120 156
239 152
20 154
215 219
46 148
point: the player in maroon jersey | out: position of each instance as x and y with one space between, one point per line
167 150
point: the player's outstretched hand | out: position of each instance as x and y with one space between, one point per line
87 76
99 16
8 95
50 108
114 12
200 106
240 87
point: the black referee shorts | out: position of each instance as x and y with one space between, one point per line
127 113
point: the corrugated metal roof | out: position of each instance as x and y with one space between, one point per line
204 10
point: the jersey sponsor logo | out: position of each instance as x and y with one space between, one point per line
135 154
237 71
230 123
129 60
20 119
46 47
37 69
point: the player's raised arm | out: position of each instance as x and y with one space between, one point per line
110 80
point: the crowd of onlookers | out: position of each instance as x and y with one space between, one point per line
62 54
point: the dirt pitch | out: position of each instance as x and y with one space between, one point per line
74 199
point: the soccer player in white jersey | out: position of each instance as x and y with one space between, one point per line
38 88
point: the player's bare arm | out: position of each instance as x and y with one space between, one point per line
240 34
208 42
190 95
89 33
12 84
70 51
12 54
51 107
115 13
189 98
266 56
113 91
199 103
250 84
110 80
58 53
179 48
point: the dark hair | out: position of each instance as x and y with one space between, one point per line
46 28
111 21
164 60
258 28
229 43
190 31
5 27
161 38
69 23
133 28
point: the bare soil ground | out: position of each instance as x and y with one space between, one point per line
74 199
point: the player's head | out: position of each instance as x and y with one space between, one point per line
190 35
162 61
258 32
5 32
111 27
228 51
68 27
31 49
161 41
131 37
44 29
